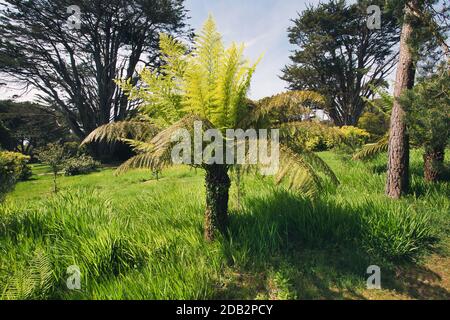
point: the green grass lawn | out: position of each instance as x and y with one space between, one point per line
134 237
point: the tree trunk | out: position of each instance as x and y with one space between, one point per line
217 185
433 163
398 162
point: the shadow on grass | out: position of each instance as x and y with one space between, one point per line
283 247
417 282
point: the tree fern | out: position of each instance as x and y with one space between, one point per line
210 85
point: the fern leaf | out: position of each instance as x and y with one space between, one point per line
373 149
111 132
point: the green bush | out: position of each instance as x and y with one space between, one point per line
80 165
318 143
13 167
376 124
319 137
316 136
354 137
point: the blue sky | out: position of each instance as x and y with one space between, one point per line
262 26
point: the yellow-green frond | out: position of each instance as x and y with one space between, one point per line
146 160
373 149
112 132
297 173
156 153
138 146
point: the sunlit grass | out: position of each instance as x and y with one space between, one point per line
134 237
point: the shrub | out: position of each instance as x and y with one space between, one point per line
354 136
316 143
13 167
23 167
316 136
80 165
376 124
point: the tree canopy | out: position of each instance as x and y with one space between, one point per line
338 56
74 69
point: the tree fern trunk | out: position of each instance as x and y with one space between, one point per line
433 163
217 184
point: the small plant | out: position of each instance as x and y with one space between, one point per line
80 165
53 155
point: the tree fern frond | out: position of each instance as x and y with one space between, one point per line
111 132
373 149
298 173
202 74
157 152
41 272
146 160
138 146
298 169
319 164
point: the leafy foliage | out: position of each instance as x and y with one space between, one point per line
375 123
354 137
31 125
6 140
427 107
13 167
311 135
54 156
84 62
81 164
339 57
428 110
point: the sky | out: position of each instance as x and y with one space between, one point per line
260 24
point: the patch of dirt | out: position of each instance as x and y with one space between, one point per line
428 282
